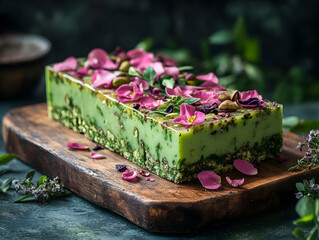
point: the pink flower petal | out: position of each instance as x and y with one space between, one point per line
187 110
83 71
136 53
208 77
167 61
103 79
236 182
184 91
110 65
129 175
137 81
124 90
174 71
150 179
96 58
69 64
142 62
250 94
97 156
200 117
144 174
158 68
245 167
206 97
189 115
151 103
209 180
77 146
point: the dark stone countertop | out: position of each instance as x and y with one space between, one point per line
75 218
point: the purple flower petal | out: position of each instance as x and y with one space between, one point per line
150 179
250 103
236 182
77 146
250 94
97 156
120 167
69 64
145 174
129 175
245 167
97 147
209 180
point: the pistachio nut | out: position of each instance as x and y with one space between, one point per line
223 97
228 105
124 66
120 81
235 96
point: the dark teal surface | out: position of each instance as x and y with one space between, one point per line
75 218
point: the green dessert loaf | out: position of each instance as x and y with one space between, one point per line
161 117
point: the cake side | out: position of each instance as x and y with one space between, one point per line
157 143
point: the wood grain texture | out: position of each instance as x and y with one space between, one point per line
159 206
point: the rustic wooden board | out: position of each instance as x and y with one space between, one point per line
159 206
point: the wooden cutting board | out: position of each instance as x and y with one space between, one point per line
159 206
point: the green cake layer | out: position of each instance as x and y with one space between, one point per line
150 140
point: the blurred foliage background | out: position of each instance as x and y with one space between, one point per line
271 46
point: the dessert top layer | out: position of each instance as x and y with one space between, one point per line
159 88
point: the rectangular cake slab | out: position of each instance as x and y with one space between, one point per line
159 206
153 142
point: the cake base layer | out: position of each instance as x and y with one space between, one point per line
71 117
159 206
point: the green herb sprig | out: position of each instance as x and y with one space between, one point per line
43 191
175 103
311 157
307 208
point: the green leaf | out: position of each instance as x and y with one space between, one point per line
149 75
305 126
146 44
317 208
312 181
6 185
30 174
184 68
168 83
189 101
305 206
221 37
239 34
298 233
43 180
134 73
162 107
6 158
252 50
300 187
313 235
306 185
23 198
289 122
306 221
